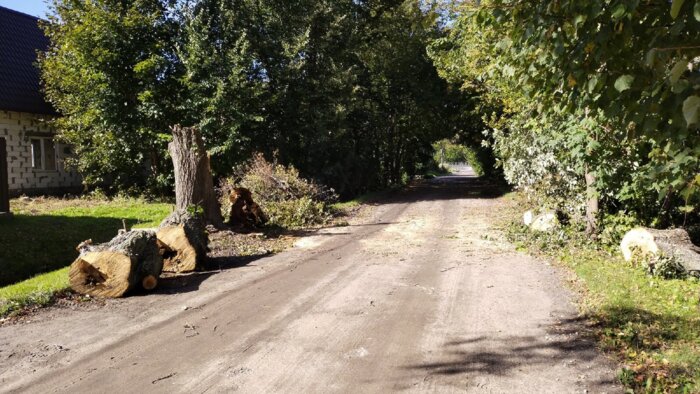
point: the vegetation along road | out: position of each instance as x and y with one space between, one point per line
420 295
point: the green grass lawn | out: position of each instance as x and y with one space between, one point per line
39 241
652 325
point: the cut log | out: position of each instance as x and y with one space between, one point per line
194 185
644 242
184 243
244 210
129 261
544 222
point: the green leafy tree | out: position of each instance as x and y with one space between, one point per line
602 88
110 72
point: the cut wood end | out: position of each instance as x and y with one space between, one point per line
150 282
178 253
102 274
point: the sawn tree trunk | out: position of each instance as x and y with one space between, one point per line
129 261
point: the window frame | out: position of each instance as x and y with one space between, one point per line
42 144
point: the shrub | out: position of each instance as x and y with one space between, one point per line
615 227
289 200
666 267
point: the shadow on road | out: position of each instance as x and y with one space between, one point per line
502 356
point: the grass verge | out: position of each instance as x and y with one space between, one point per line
359 200
651 325
39 241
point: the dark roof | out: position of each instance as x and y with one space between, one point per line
20 39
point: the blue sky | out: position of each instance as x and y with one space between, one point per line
32 7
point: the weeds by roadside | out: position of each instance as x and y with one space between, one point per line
651 324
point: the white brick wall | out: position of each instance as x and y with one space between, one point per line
18 128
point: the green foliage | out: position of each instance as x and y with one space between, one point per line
297 213
648 322
615 226
606 88
448 152
108 70
289 200
343 90
666 267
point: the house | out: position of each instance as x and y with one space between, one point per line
35 160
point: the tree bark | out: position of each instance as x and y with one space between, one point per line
591 204
130 260
194 185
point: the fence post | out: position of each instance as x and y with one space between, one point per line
4 187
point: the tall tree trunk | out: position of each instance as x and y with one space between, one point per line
194 185
591 204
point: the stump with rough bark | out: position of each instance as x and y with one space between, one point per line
184 242
674 242
244 210
129 261
194 185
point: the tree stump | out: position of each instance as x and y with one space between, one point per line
111 270
651 242
194 185
183 240
244 210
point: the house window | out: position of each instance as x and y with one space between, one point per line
43 154
36 154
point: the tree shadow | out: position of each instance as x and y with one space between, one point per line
499 355
643 330
448 187
171 283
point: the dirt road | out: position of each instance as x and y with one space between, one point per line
420 296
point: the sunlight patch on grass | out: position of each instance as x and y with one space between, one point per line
38 290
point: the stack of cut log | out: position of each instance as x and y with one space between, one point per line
135 259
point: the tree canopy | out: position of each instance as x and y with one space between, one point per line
609 88
344 90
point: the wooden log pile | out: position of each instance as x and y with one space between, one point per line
180 244
130 260
183 240
136 259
